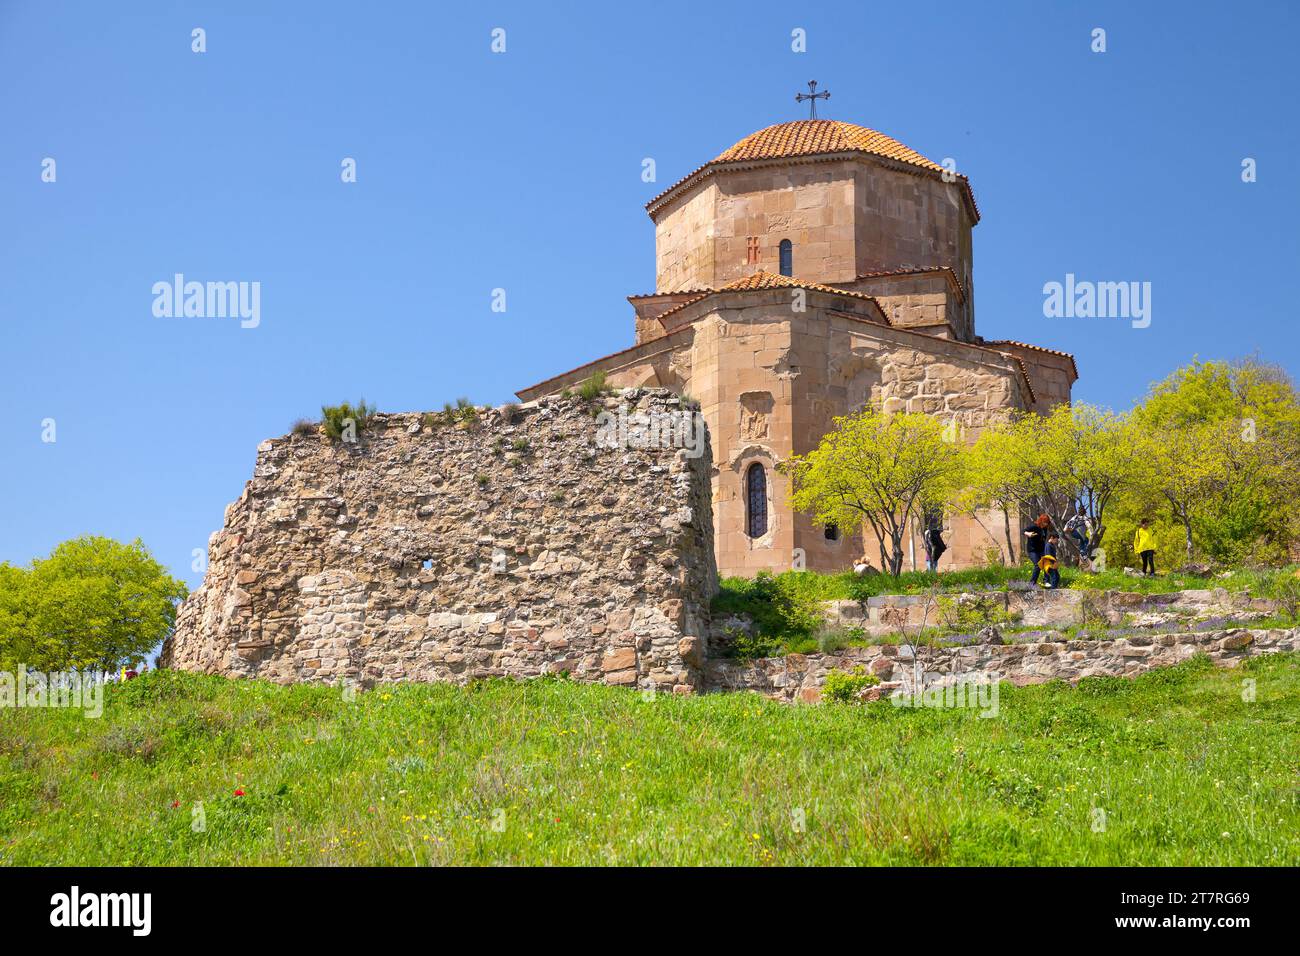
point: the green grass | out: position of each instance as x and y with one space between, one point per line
1185 770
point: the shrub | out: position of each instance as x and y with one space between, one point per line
800 645
1284 590
973 612
305 426
467 413
784 608
509 412
336 417
593 387
832 639
843 687
131 740
520 445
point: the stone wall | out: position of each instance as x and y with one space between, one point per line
1029 606
509 544
799 677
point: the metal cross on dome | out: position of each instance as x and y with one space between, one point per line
812 96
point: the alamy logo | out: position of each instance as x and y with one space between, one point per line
103 909
676 429
208 300
1102 300
931 690
23 688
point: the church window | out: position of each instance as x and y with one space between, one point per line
751 250
756 500
787 258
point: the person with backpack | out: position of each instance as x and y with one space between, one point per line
1144 544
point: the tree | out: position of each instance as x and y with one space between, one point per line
879 470
94 602
995 479
1075 456
1221 446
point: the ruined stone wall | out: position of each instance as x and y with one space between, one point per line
1114 633
799 677
510 544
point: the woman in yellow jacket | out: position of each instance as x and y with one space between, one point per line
1144 543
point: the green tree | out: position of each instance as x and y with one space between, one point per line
879 470
1077 455
94 602
994 480
1220 446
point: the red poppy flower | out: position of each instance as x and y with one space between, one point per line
175 804
239 793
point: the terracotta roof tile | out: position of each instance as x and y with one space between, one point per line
811 138
888 273
761 280
1036 348
701 290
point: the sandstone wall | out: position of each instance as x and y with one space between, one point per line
908 220
684 248
503 546
843 217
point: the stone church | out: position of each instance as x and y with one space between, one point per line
811 268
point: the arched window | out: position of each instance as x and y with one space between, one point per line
787 258
756 501
832 532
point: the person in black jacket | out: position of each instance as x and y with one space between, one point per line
1036 542
934 547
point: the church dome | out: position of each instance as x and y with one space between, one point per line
811 140
818 136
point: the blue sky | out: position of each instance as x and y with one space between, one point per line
522 171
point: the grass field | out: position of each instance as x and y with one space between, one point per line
549 771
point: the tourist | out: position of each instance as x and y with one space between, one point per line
1050 562
1036 543
1079 529
1144 544
934 547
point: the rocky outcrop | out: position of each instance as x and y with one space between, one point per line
509 542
